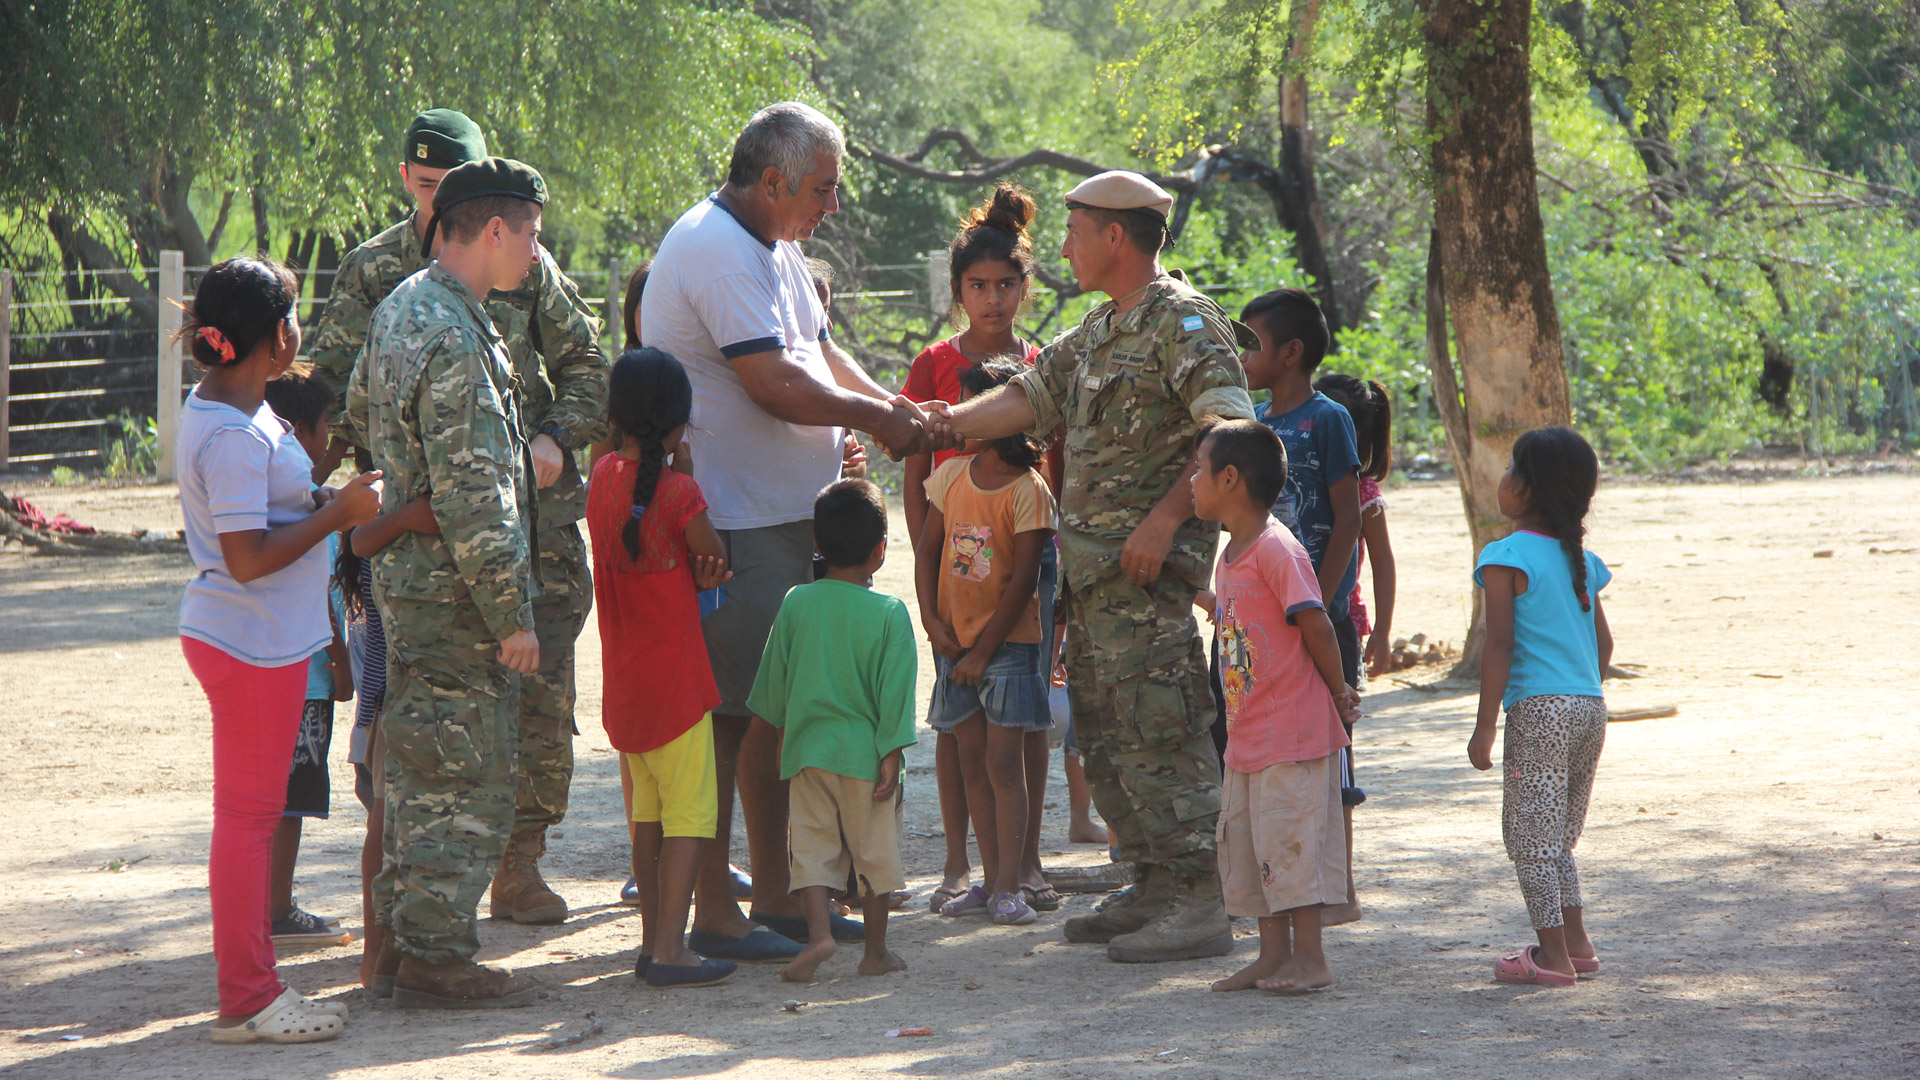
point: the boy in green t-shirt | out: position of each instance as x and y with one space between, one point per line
838 680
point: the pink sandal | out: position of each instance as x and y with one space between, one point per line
1586 965
1520 968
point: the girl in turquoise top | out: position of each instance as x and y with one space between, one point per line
1547 647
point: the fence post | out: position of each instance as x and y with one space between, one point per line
939 287
169 358
615 330
6 361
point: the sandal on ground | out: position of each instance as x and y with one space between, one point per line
1041 897
1010 910
1519 968
290 1019
1585 965
971 902
940 897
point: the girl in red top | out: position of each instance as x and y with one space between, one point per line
654 553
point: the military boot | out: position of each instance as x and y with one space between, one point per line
519 893
1191 925
1125 912
386 964
459 984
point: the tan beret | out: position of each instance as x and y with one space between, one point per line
1122 190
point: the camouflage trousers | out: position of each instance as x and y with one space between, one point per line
547 695
1142 707
450 725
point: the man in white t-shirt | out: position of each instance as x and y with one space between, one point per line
730 297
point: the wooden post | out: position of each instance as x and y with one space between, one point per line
6 360
169 359
939 281
616 331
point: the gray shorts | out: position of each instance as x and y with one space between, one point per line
765 563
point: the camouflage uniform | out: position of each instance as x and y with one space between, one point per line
433 393
560 377
1133 389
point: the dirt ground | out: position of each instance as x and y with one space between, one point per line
1752 864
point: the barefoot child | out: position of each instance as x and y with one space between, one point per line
977 568
1547 645
653 552
1282 849
837 680
1372 412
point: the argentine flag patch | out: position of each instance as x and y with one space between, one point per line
1192 323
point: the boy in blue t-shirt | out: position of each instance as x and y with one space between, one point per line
1321 500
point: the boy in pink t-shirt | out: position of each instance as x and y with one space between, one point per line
1282 843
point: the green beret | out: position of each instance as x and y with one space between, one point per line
485 178
444 139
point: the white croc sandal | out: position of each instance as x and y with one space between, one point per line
337 1008
290 1019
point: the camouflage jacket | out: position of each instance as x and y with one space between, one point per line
553 342
433 392
1133 389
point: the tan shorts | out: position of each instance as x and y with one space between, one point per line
834 825
1281 838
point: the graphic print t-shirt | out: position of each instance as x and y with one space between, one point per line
1321 452
976 561
1278 707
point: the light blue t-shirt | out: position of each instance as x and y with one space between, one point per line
238 473
1555 647
319 676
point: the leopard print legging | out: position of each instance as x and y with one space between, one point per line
1552 748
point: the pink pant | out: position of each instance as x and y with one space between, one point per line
256 716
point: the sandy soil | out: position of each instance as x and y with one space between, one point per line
1752 864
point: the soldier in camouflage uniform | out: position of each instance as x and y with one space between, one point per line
1135 383
553 343
433 393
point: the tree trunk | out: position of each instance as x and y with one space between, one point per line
1300 211
1489 256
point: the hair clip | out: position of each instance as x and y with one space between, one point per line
213 337
639 510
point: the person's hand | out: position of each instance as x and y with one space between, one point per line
1059 675
359 501
1206 601
853 458
342 672
1379 656
521 652
889 782
941 637
970 669
939 425
683 457
710 572
1347 701
1480 748
1145 551
547 460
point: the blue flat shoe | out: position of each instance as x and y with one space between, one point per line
762 946
640 965
687 976
630 893
795 927
742 883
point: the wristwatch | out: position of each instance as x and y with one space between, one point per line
560 435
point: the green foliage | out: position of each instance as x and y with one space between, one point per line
128 446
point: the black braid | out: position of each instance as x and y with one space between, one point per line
1571 532
1558 471
646 480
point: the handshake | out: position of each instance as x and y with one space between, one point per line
916 428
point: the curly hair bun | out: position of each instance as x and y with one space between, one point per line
1010 209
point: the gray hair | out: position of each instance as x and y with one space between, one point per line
788 137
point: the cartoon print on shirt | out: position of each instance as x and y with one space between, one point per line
1236 662
972 551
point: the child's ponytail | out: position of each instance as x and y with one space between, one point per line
1559 472
648 396
1372 411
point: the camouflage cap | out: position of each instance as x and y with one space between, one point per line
488 177
444 139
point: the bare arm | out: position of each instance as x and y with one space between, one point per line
1380 553
1503 583
708 553
415 515
1345 493
251 554
928 551
1316 631
849 375
1604 635
787 391
1002 411
914 495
